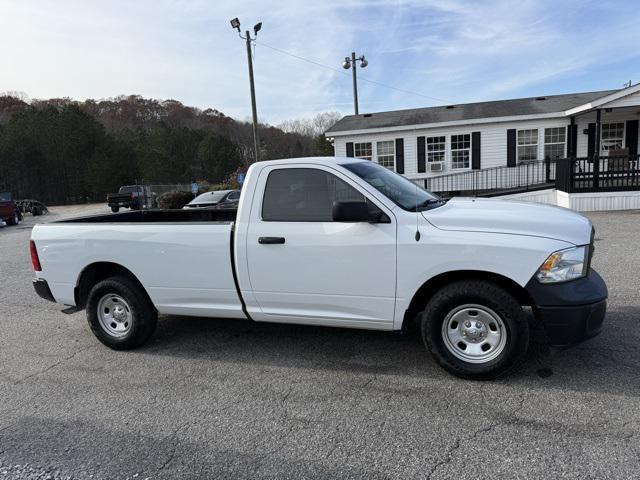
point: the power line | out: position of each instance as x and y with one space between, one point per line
341 72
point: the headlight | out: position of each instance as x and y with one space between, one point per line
564 265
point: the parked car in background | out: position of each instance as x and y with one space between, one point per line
338 242
34 207
217 199
9 212
135 197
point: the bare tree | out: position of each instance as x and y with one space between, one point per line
311 127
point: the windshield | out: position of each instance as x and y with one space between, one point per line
210 197
402 192
5 197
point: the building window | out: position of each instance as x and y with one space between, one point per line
435 149
527 145
554 142
386 153
460 151
612 136
363 150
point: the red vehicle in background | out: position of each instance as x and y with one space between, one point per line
9 212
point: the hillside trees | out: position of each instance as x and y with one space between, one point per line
62 151
45 153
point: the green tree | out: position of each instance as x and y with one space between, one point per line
323 147
217 158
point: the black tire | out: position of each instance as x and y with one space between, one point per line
144 316
115 209
461 297
13 220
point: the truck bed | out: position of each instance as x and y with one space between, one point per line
158 247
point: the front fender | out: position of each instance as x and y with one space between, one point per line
515 257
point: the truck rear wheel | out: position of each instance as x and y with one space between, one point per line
120 314
475 329
115 209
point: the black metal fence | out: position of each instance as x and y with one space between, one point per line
496 180
151 192
601 174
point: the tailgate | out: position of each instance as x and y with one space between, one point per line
119 198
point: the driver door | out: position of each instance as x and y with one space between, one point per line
306 268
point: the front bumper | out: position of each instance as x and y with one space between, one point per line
42 289
571 312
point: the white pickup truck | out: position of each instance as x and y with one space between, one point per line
340 242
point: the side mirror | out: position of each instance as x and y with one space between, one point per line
353 212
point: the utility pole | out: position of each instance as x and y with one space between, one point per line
235 23
351 63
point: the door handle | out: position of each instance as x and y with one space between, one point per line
271 240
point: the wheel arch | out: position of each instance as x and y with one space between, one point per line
98 271
426 291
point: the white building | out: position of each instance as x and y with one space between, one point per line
439 141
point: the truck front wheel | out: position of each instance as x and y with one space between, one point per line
120 314
475 329
115 209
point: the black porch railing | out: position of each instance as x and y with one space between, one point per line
527 176
601 174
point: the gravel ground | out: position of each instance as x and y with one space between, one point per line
233 399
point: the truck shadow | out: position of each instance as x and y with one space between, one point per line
609 362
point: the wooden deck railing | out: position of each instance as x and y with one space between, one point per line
601 174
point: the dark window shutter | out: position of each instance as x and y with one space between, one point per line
422 162
511 147
631 137
399 155
349 149
475 150
591 140
572 141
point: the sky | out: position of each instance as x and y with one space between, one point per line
431 52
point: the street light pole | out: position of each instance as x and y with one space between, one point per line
254 110
235 23
351 63
355 82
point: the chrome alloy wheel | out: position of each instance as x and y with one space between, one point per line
114 315
474 333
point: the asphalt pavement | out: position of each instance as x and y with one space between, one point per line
233 399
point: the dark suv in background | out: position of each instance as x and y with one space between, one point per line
9 212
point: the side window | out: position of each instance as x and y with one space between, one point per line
304 195
234 196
